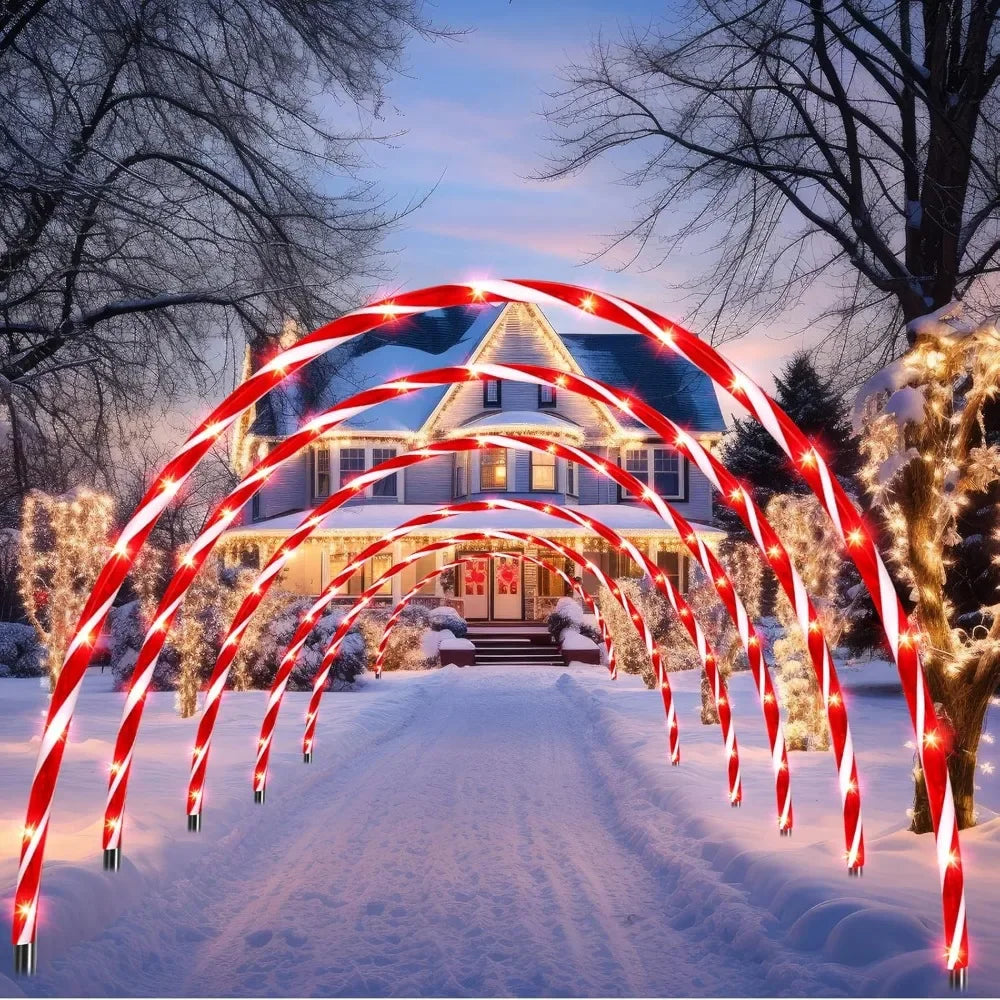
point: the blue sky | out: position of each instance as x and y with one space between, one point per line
468 118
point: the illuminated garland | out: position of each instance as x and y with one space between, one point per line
861 548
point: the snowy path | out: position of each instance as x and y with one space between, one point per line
487 831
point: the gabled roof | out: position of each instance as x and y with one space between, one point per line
411 344
450 337
655 374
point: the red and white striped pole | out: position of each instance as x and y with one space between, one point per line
861 547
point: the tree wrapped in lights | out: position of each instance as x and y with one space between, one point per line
931 445
812 544
64 543
743 562
629 646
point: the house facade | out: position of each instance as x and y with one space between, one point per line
483 588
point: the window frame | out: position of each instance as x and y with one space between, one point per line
384 483
506 479
463 466
489 404
547 404
572 479
317 454
532 465
650 448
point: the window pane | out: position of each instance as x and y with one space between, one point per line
546 395
461 474
666 472
352 461
322 485
670 563
637 462
491 392
493 469
543 471
571 478
384 487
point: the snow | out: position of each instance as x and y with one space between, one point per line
906 405
890 378
892 466
568 608
431 640
574 641
507 830
946 323
443 615
454 643
383 517
516 419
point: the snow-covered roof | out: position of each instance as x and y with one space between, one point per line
378 518
444 337
498 420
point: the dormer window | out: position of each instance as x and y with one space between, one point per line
491 393
546 397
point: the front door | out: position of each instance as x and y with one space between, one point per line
507 590
475 583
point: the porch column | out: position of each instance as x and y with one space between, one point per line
397 578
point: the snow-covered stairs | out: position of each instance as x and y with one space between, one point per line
526 643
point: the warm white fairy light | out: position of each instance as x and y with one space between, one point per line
63 545
928 461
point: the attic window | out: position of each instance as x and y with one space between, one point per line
491 392
546 396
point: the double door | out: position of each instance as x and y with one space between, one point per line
493 589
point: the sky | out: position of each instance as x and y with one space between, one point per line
469 135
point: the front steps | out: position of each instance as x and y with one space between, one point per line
514 643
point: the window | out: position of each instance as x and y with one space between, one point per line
255 506
461 474
377 566
543 471
571 488
321 484
637 462
546 396
384 487
666 472
551 584
670 563
352 461
491 392
623 567
493 469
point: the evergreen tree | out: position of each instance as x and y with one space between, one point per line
754 457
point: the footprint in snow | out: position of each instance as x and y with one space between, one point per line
258 938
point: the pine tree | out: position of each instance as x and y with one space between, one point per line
753 456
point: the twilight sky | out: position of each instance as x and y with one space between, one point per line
469 114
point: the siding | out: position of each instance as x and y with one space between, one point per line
517 341
287 489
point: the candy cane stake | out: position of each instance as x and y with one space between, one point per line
861 548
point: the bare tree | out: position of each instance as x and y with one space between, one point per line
176 177
852 141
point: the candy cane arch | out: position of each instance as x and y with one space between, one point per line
731 492
901 637
574 585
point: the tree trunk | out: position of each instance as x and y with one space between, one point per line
967 716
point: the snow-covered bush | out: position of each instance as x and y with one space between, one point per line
352 658
126 632
629 646
567 615
371 624
448 618
412 647
20 651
